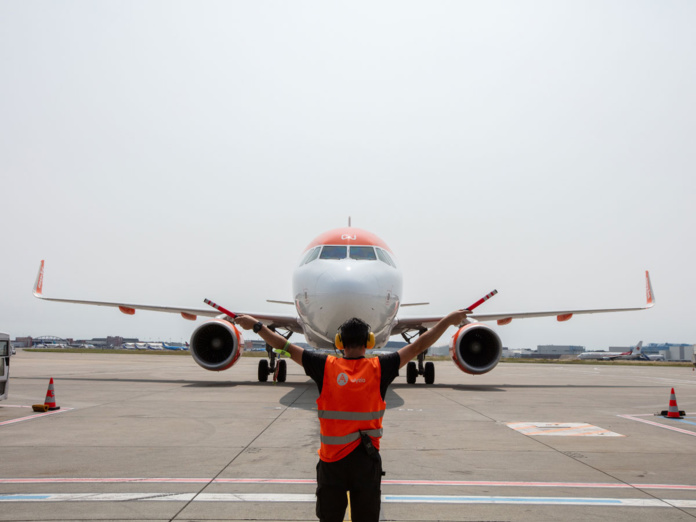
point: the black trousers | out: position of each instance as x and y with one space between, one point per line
357 473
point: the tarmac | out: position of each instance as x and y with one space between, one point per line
156 438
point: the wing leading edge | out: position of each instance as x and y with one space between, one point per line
415 323
280 321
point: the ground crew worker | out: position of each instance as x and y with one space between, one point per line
351 406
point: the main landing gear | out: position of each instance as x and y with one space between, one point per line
274 365
426 369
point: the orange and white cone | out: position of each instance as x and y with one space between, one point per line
673 411
50 401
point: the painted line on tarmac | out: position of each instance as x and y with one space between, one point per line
658 424
301 497
31 417
569 501
311 482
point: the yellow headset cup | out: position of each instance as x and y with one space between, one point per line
370 341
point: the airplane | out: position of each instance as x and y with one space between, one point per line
634 354
343 273
174 347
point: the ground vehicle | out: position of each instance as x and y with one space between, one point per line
4 365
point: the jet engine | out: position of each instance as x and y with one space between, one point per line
216 345
476 348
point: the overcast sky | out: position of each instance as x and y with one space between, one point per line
164 152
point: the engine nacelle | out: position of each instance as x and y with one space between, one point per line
476 348
216 345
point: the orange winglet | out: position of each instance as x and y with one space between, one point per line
38 286
503 322
126 310
189 317
650 297
563 317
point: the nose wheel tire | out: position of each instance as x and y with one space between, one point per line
281 371
411 373
263 370
429 373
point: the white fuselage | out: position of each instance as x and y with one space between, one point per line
328 292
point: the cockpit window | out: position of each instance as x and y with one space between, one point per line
311 256
306 256
363 253
334 252
385 258
315 254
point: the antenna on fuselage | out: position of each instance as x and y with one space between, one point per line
348 221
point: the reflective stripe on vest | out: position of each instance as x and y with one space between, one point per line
346 439
351 415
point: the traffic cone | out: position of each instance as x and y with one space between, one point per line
50 401
673 411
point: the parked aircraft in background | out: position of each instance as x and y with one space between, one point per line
635 353
174 346
343 273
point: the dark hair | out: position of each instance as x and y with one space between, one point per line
354 333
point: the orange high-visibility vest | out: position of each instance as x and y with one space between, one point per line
350 402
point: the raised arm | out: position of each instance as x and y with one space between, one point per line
427 339
274 339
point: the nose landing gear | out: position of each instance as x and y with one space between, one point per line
426 369
274 365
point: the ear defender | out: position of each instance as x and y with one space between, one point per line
370 341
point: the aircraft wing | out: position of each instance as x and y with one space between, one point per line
280 321
417 323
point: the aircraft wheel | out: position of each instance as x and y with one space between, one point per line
263 370
411 373
429 373
282 370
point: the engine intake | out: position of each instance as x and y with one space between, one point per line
216 345
476 348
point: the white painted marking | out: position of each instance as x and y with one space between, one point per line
659 425
30 417
302 497
565 429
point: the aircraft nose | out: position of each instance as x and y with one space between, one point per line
347 296
345 283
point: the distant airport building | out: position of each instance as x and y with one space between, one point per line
109 342
517 352
553 349
671 351
436 351
23 342
47 340
255 346
681 353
